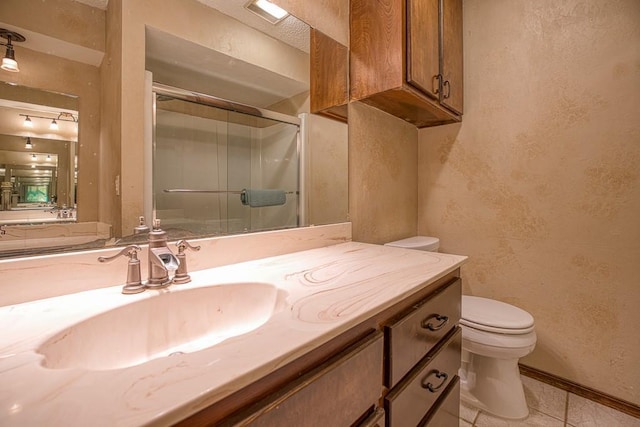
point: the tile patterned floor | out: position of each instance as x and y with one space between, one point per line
551 407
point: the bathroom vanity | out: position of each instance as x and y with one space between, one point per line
347 334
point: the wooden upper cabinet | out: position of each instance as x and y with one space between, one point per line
329 80
423 52
452 70
406 58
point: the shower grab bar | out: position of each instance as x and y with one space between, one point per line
188 190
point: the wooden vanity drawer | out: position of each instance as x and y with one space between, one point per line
446 411
337 393
410 401
377 419
411 335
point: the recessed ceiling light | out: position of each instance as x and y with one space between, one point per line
267 10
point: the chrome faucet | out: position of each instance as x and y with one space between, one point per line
162 262
165 268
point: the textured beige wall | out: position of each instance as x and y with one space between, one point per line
110 133
383 192
540 184
327 170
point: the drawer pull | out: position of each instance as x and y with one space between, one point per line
426 324
438 375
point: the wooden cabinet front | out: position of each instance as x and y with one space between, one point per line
452 69
411 335
412 400
446 412
406 58
423 51
337 393
329 80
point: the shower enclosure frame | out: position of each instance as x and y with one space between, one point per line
154 88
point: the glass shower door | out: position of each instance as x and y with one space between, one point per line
208 161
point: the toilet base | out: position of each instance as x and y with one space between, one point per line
493 385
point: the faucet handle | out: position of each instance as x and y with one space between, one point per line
183 244
131 251
182 274
134 278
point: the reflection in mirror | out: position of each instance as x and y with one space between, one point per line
217 170
277 82
224 61
38 162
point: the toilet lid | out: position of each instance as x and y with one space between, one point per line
417 242
494 316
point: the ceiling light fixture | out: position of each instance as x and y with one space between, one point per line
28 145
267 10
48 157
33 156
9 62
64 117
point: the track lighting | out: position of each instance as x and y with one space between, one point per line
53 124
33 157
28 145
9 62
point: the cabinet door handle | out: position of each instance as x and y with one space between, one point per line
426 324
446 88
439 375
435 84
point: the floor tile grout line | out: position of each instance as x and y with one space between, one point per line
566 409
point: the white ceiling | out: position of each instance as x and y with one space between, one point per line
290 30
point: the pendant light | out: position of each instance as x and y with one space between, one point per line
9 62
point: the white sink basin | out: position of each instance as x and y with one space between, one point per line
176 322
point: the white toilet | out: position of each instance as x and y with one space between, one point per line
495 335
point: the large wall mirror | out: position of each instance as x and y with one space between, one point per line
68 202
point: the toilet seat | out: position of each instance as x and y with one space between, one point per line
495 316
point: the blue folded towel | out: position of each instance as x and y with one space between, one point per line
260 198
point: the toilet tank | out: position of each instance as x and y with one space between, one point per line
420 243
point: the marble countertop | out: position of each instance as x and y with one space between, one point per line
325 292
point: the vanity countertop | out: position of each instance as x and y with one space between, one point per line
328 291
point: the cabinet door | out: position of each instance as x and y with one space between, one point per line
452 69
329 84
336 393
423 63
